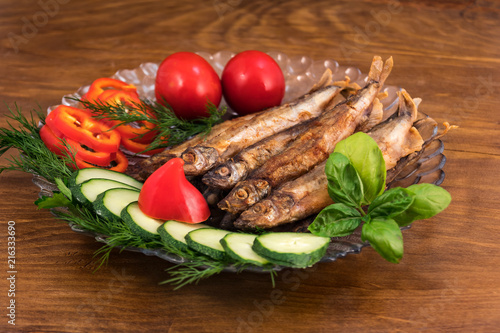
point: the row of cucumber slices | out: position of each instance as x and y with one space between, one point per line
114 196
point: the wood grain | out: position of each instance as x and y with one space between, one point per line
446 52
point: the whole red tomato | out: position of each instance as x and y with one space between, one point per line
252 81
187 83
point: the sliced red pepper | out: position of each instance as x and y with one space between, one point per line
168 195
78 125
94 157
119 164
49 120
52 141
55 144
105 83
137 147
141 131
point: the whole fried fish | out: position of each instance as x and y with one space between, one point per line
313 146
227 174
202 157
308 194
142 170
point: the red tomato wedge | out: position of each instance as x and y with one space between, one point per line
168 195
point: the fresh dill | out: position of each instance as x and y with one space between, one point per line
171 129
117 235
35 156
192 272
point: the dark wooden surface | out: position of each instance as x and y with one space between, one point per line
446 52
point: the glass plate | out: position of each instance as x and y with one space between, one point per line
300 74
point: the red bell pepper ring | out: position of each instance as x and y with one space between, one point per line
137 147
168 195
49 120
103 84
91 156
56 145
119 164
141 131
52 141
78 125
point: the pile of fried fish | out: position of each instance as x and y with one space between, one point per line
266 170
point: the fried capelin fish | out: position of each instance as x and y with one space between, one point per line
307 195
227 174
204 156
142 170
314 145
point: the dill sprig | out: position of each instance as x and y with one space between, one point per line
171 129
38 159
192 272
35 157
115 233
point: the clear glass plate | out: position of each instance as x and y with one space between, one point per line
300 75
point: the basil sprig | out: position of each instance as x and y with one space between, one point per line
356 182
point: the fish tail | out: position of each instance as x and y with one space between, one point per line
324 81
380 71
376 114
407 106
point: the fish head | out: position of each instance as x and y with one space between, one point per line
266 213
245 194
198 159
224 176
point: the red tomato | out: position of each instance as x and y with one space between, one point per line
252 81
187 82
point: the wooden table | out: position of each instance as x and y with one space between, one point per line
445 52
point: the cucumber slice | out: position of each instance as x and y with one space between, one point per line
207 241
82 175
142 225
173 233
291 249
239 247
110 203
87 192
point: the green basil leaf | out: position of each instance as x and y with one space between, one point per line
335 221
385 237
391 203
429 200
344 184
366 157
57 200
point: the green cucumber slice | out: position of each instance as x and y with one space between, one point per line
239 247
83 175
110 203
207 241
87 192
142 225
291 249
173 233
